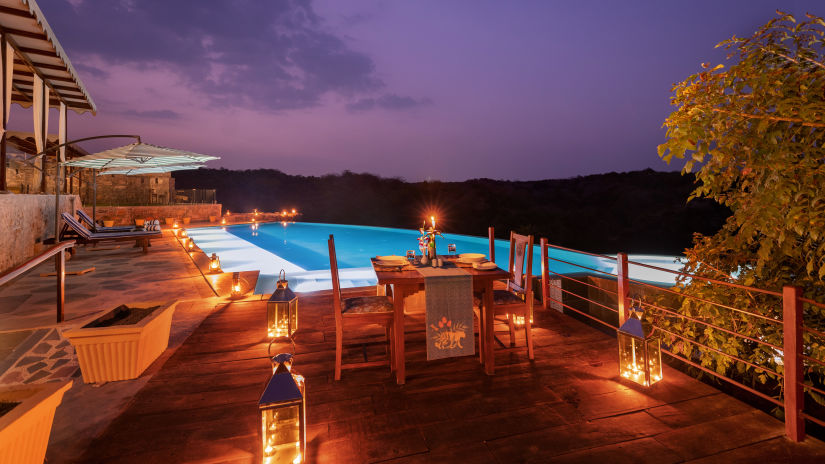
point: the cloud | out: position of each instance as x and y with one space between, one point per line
152 114
387 102
265 55
91 70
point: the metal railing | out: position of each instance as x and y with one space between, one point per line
791 350
187 196
59 251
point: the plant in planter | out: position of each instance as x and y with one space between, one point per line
108 222
140 222
186 219
213 218
123 342
26 414
170 221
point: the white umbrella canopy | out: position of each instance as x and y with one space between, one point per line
138 155
135 171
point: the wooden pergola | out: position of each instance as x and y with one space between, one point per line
35 73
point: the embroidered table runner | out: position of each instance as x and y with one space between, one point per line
449 299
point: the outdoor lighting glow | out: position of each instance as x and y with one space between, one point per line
214 264
282 310
283 213
256 212
223 220
432 218
640 356
183 233
175 225
283 414
293 211
191 245
236 285
518 320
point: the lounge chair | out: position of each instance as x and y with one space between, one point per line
97 228
72 229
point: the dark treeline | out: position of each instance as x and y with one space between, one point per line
637 212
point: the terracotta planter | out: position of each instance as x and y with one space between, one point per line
24 431
107 223
122 352
186 220
170 221
140 222
213 218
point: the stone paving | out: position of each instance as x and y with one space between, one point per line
44 356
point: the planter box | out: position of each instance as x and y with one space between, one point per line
122 352
170 221
108 223
140 222
186 220
24 431
213 218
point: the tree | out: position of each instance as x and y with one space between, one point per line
755 131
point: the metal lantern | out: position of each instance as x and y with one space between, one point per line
283 415
191 245
223 220
640 354
282 310
214 264
236 285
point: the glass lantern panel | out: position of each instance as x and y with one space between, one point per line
654 359
282 435
293 314
278 319
632 358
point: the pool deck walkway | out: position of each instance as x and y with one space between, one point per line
566 406
198 402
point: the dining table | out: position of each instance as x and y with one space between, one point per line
406 280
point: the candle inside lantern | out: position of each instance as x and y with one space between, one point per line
432 218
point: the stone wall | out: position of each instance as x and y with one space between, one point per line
126 215
154 189
25 222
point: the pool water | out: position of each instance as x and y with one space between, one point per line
300 249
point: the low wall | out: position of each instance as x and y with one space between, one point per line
25 222
126 215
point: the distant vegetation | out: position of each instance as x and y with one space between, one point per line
637 212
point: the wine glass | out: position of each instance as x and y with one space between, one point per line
411 255
451 248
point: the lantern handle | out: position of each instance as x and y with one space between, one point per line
282 275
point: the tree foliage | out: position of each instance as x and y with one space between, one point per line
754 133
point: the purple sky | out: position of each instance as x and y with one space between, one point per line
442 89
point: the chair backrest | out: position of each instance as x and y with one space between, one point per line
491 235
521 253
76 226
336 285
86 218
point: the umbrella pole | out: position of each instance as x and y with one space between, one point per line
94 195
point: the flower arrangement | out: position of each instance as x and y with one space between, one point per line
426 242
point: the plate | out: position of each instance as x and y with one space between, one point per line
472 257
485 266
391 260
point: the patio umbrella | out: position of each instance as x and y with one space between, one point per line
135 171
136 156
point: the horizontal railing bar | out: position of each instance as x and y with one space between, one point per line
814 360
761 316
735 358
812 302
583 283
582 313
581 252
21 269
756 340
813 419
583 267
811 387
726 379
590 301
708 279
814 331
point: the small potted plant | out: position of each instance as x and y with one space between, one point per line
170 221
108 222
140 222
123 342
186 219
26 414
213 218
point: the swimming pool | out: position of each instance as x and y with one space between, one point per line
300 249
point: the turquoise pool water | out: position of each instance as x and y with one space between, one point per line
301 250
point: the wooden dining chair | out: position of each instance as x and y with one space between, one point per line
517 298
357 311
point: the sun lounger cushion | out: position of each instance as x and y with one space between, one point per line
151 225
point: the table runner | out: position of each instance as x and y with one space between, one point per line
449 299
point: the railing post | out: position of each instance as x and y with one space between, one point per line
492 236
545 275
623 286
61 283
792 361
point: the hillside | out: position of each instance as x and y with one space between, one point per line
637 212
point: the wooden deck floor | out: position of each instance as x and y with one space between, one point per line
567 406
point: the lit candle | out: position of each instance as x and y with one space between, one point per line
432 218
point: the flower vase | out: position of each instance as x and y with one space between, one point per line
431 249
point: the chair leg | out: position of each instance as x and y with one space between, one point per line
390 343
528 333
339 348
512 325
